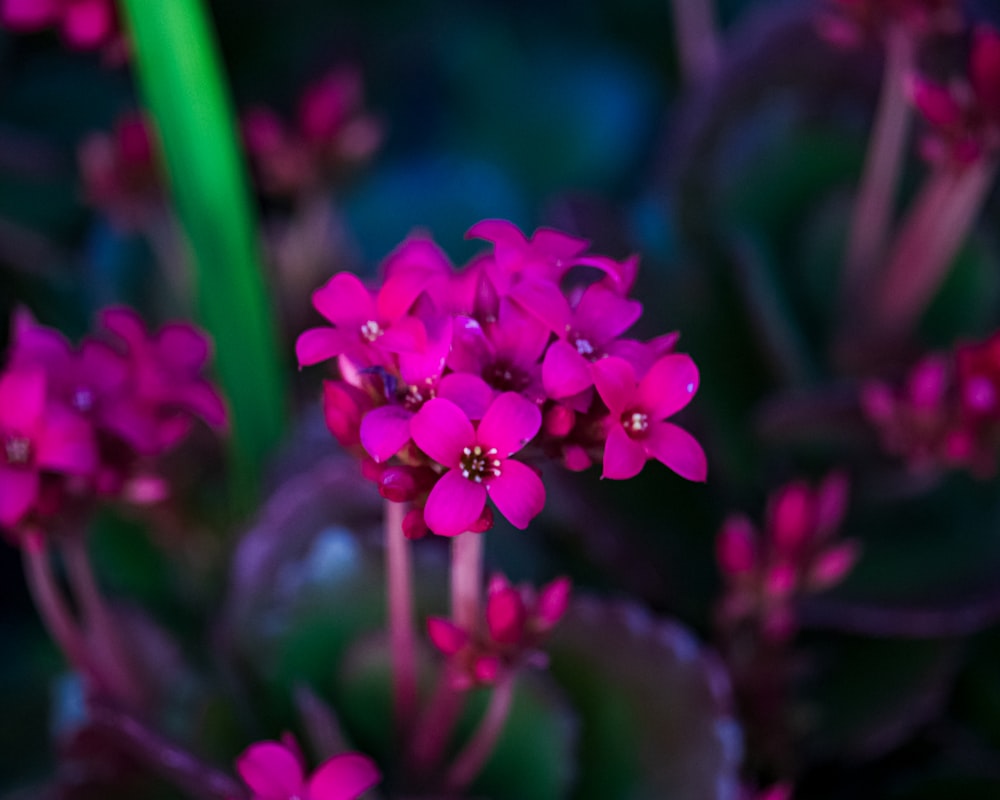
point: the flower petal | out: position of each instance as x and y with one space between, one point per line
319 344
344 777
18 492
518 493
623 457
454 504
509 424
442 430
407 335
614 379
66 444
564 371
22 400
506 615
271 770
677 449
344 300
385 430
446 636
469 392
668 386
543 300
602 314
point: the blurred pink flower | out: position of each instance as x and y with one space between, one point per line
274 771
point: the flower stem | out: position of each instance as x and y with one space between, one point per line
466 577
922 254
53 610
471 760
399 597
107 647
436 725
697 39
873 205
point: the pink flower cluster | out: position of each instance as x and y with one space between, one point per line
85 24
848 23
276 771
796 554
517 622
946 413
86 421
451 380
963 115
330 131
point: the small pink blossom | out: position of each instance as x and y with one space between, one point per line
478 462
796 554
85 24
36 437
636 427
516 622
274 771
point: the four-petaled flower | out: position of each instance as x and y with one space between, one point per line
478 462
636 430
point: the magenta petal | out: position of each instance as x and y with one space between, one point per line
518 337
506 615
471 351
984 68
183 346
557 244
496 231
202 400
454 504
446 635
102 366
623 457
344 777
469 392
344 300
319 344
668 386
385 430
442 430
543 300
22 400
87 23
564 371
28 15
126 324
406 335
677 449
553 602
614 379
602 314
736 546
18 492
509 424
66 444
935 103
518 493
271 771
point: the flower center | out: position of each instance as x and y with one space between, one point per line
83 399
477 464
506 378
17 449
371 330
584 347
635 423
413 397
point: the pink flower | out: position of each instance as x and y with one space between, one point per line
585 332
274 771
36 437
517 621
168 387
478 462
365 328
86 24
636 430
964 115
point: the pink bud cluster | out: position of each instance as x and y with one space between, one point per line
963 115
848 23
276 771
767 572
517 620
947 411
450 380
330 131
84 24
91 421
